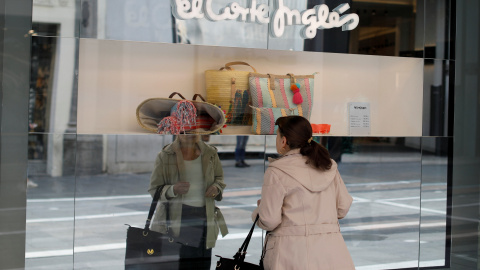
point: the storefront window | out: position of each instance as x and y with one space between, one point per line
92 149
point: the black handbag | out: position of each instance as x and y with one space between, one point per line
147 249
238 262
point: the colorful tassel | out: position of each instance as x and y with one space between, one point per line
297 97
168 125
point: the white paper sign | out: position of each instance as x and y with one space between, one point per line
359 118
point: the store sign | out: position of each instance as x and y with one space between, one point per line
319 17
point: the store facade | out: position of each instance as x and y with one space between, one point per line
396 80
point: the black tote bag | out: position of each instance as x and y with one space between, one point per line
238 261
148 249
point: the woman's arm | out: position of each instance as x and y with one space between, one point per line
158 178
270 208
344 200
218 174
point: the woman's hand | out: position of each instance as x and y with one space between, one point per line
212 192
181 188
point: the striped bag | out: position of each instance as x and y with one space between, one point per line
274 91
264 119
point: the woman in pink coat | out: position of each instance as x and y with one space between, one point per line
303 197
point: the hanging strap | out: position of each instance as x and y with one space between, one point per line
176 93
227 65
264 249
242 251
153 206
158 192
198 95
271 81
292 78
233 88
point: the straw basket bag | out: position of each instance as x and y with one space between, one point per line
229 89
210 118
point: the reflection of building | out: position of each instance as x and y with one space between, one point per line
53 62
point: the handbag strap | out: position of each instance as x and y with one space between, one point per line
292 78
158 192
271 80
227 65
198 95
176 93
242 251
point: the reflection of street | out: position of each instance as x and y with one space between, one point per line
381 230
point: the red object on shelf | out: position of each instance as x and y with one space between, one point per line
321 128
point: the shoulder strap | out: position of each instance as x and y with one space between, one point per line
242 251
158 192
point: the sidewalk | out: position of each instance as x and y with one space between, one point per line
363 154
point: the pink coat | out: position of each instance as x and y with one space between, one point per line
301 207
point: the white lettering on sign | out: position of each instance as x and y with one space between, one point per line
318 17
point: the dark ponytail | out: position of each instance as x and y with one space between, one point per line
298 132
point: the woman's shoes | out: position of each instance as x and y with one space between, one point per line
241 164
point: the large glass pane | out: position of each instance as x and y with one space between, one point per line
50 205
383 176
113 176
434 236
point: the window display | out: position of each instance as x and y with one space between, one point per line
128 73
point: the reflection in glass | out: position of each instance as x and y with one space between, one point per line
141 20
392 28
112 191
434 236
193 177
438 85
440 34
241 194
52 96
383 176
61 14
385 28
50 206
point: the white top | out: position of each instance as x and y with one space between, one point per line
194 175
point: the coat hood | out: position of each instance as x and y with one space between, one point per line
293 164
